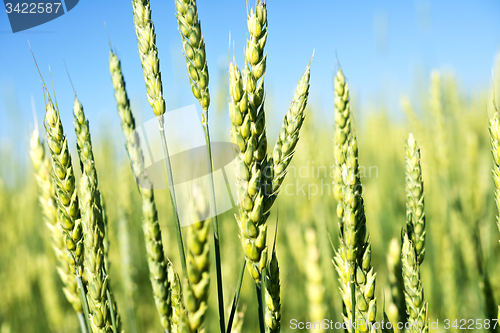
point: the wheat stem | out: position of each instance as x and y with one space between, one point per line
215 224
197 68
83 299
170 184
146 44
152 232
83 323
260 308
236 297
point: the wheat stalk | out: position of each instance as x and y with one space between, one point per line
94 225
342 134
68 210
152 233
195 55
494 129
248 174
194 52
238 321
146 43
94 260
415 214
146 39
248 132
42 166
416 304
66 195
353 258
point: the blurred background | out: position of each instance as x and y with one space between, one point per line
416 66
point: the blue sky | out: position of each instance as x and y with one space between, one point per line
384 47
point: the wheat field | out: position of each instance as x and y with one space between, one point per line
388 219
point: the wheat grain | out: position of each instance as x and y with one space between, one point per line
251 129
196 62
146 44
152 233
247 115
342 134
288 137
48 204
415 214
198 263
176 298
416 304
194 52
94 259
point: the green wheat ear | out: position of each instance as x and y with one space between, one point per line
342 134
494 128
415 215
146 43
198 262
103 311
272 296
47 198
353 258
416 304
157 262
194 52
66 194
288 137
251 219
